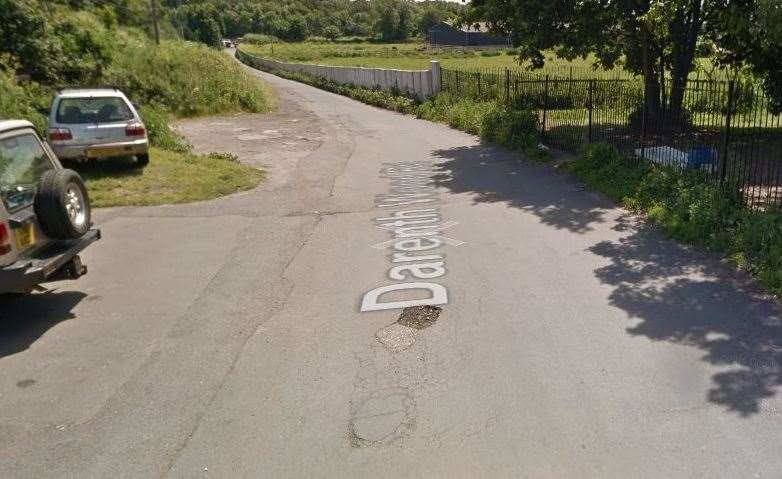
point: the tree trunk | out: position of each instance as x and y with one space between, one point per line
685 28
651 81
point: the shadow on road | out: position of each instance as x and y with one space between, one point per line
518 184
689 298
24 319
678 295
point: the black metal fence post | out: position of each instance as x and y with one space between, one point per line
507 86
545 107
644 113
726 135
570 83
589 105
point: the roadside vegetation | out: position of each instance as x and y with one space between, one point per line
52 45
687 206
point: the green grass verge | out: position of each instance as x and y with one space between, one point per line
173 80
687 206
170 177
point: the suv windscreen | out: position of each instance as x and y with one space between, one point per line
22 163
77 111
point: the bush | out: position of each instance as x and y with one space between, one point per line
158 124
259 39
689 207
332 33
515 129
22 102
460 113
186 79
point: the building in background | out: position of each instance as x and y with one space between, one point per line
473 35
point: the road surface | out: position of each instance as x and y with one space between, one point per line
226 338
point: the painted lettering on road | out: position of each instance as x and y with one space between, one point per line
412 217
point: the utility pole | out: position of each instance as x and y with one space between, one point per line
155 21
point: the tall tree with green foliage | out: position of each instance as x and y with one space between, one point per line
648 37
201 23
749 34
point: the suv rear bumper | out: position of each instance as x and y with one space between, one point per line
46 265
107 150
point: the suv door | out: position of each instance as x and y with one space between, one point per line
23 160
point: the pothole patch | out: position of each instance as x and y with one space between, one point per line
419 317
396 337
383 418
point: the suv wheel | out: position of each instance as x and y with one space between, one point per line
62 205
142 160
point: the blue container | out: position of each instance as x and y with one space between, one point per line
699 157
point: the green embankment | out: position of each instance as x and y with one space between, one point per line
174 80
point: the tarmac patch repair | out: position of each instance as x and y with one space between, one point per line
412 217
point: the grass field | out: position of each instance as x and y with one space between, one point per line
409 56
415 56
170 177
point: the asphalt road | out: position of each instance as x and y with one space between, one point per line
225 338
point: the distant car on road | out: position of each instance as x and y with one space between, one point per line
228 43
45 219
96 123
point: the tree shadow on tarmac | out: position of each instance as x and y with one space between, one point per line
24 319
690 298
675 293
518 184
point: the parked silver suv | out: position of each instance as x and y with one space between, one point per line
45 219
96 123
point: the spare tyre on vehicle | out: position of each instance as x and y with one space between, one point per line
62 205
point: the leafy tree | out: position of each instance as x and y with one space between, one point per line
405 21
387 22
296 31
200 21
749 34
647 37
429 18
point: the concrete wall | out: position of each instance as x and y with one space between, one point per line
418 83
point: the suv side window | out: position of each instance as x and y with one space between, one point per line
22 163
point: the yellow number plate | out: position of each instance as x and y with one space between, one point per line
25 236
